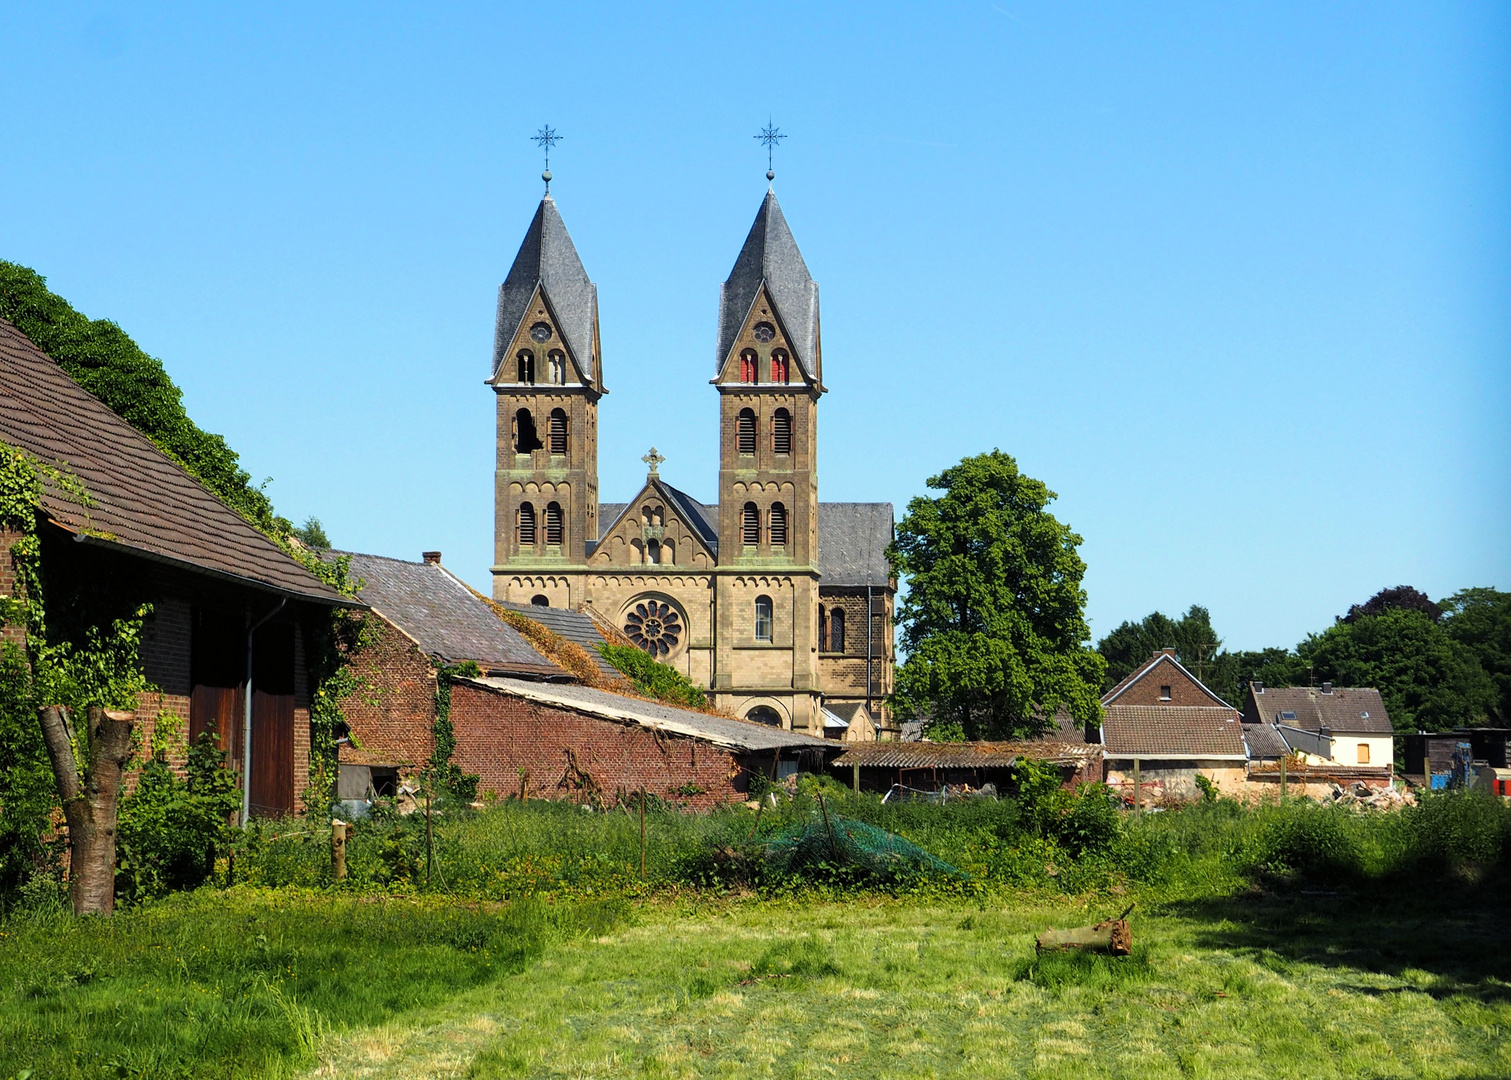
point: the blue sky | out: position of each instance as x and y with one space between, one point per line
1233 279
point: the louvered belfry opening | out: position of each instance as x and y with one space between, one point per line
525 438
526 523
781 432
558 431
553 524
750 525
746 438
778 525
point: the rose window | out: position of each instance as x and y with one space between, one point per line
654 627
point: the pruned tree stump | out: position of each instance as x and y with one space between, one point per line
1111 936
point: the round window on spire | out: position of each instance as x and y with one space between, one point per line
763 331
540 332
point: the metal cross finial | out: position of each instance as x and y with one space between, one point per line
654 460
546 138
770 137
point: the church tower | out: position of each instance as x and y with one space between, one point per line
769 378
547 377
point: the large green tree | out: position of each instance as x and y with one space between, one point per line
1480 620
993 622
1428 679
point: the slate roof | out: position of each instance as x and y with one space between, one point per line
1265 742
771 256
143 501
852 537
548 258
442 616
1171 731
575 626
1352 709
741 736
852 543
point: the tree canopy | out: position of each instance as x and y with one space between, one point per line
1196 646
994 618
1480 620
103 359
1402 597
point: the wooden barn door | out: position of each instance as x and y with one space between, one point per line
218 665
273 721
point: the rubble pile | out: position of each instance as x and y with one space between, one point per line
1361 795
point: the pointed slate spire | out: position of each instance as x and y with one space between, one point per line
549 259
770 257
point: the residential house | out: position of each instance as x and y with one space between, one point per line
232 616
1333 728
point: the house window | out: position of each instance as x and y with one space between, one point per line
837 630
525 438
1364 753
558 431
746 427
524 365
748 366
781 432
526 523
750 525
553 524
778 525
763 618
1164 693
556 362
779 366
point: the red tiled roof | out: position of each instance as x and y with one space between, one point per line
142 500
1171 731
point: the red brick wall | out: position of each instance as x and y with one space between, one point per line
9 587
497 735
1184 689
394 711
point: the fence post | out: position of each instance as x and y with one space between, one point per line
642 834
338 849
1138 797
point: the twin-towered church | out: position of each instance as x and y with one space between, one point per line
779 604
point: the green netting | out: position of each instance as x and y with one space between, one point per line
838 842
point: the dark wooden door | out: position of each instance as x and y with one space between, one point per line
273 721
218 667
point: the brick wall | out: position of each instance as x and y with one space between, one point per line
497 735
394 711
1184 689
9 586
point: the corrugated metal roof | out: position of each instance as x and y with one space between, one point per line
742 736
143 501
442 615
926 755
1174 731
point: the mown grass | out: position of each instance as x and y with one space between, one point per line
246 982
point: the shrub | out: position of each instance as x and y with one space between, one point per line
654 679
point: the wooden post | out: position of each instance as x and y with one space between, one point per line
524 783
90 797
833 847
338 849
1282 776
1138 795
642 834
855 777
429 838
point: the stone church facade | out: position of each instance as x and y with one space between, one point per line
779 604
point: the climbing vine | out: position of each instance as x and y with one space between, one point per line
440 771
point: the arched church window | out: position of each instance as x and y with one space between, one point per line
746 426
556 361
553 524
653 626
750 525
764 714
748 366
778 525
558 431
763 618
524 365
526 520
779 366
837 630
525 438
540 600
781 432
823 629
653 551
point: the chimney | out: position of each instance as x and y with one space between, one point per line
432 558
1327 688
1166 652
1258 685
